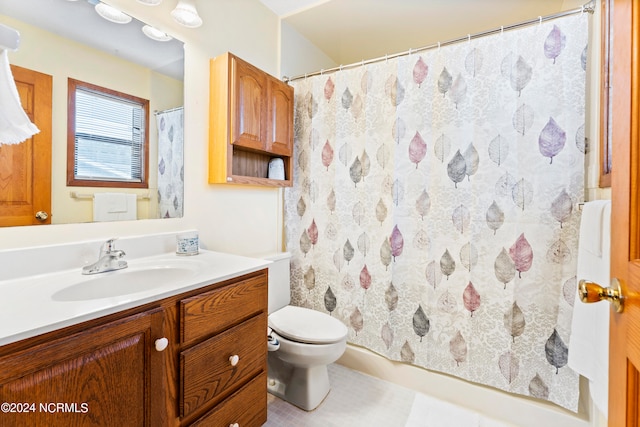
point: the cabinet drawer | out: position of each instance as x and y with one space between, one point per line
247 407
214 311
207 373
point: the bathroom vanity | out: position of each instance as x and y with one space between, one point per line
191 354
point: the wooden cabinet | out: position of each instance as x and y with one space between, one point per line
109 372
251 122
224 347
108 375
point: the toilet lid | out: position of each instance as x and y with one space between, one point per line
308 326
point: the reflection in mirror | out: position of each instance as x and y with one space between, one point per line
68 40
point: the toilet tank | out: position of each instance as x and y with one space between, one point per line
279 280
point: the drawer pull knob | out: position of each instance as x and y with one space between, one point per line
161 344
234 360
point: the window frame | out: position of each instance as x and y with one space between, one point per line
71 137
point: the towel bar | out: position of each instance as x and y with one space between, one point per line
76 195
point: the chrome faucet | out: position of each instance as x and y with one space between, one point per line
108 260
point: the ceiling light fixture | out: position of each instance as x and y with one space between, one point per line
112 14
155 34
186 14
150 2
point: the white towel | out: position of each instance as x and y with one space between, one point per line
592 236
589 343
15 125
114 207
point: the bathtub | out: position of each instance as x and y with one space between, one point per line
508 408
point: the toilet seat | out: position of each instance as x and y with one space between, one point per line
307 326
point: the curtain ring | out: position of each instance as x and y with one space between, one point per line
321 71
540 18
340 67
386 58
305 76
438 45
501 29
468 38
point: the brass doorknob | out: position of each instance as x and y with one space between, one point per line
592 292
42 216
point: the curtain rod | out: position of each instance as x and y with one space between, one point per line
156 112
585 8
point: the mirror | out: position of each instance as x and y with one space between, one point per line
68 39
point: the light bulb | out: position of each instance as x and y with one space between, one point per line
112 14
155 34
186 14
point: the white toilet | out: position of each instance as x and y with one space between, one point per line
302 343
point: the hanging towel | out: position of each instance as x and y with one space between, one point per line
589 344
15 125
114 207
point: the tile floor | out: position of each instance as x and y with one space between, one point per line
360 400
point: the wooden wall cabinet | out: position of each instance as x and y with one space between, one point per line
109 372
251 122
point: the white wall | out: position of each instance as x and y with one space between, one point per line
299 55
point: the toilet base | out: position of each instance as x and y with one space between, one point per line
305 388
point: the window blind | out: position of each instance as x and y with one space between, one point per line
109 137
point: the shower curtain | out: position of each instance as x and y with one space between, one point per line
170 124
434 205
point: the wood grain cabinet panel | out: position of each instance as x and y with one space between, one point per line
103 376
280 118
208 372
211 312
249 106
246 407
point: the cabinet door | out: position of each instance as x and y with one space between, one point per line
101 376
248 105
280 138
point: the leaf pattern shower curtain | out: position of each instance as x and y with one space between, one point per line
433 206
170 124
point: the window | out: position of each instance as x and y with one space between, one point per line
107 137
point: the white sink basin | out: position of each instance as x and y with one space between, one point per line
131 280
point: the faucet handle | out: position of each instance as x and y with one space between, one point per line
108 246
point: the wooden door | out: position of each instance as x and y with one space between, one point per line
109 375
248 105
280 138
25 168
624 352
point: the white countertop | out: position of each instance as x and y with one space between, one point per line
30 305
